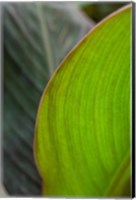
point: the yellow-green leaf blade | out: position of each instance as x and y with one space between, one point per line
83 125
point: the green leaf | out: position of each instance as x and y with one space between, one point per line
37 36
82 141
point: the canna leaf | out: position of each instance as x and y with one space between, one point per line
82 141
36 38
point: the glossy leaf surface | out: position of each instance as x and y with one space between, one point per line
37 36
82 141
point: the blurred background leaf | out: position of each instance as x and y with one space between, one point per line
37 36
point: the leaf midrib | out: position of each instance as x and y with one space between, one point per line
116 179
46 40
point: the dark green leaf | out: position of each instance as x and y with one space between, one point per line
37 36
98 11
